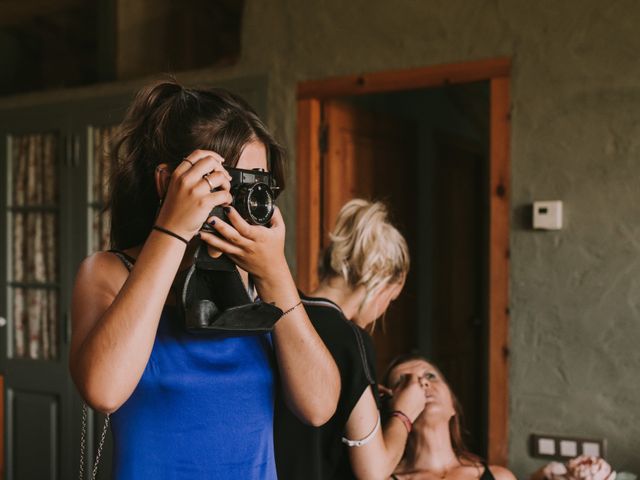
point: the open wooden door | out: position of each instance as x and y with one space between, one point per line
372 156
314 212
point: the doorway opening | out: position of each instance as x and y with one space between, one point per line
433 145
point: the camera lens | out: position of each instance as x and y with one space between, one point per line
255 203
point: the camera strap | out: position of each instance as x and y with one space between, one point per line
213 298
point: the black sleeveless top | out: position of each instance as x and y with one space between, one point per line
317 453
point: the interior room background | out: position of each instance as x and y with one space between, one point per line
575 136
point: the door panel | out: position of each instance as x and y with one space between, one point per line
34 359
459 334
35 451
373 156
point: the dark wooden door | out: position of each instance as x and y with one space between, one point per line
459 336
373 155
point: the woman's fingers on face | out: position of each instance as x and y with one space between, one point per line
406 380
219 244
385 390
197 155
216 181
204 166
181 169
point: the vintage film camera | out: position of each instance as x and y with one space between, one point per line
254 193
211 293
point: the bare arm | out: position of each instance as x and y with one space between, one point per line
310 377
379 458
115 319
115 315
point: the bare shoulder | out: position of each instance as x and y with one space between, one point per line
98 280
501 473
102 269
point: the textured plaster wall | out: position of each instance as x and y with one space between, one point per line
575 294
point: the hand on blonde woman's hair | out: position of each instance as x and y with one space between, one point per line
408 397
254 248
197 185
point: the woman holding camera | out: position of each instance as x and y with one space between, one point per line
435 448
362 271
185 405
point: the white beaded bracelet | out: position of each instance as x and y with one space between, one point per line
365 440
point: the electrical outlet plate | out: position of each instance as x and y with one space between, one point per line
562 448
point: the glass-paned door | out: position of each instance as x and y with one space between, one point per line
33 285
33 231
101 165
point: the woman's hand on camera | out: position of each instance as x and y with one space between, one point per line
409 397
256 249
197 185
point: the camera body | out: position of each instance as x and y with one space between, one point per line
254 194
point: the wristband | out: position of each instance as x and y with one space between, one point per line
365 440
403 417
170 233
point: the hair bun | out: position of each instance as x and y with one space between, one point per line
365 249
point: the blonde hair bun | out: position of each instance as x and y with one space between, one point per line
365 248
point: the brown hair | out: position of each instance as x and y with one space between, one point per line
164 123
456 430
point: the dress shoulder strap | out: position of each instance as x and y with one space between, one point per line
127 260
486 474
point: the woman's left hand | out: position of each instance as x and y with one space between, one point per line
256 249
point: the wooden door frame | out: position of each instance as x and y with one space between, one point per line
310 94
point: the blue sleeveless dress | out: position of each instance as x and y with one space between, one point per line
203 409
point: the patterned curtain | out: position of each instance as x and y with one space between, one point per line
102 166
34 222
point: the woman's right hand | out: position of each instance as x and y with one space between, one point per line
409 397
197 185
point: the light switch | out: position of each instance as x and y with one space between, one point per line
591 448
546 446
547 215
568 448
564 447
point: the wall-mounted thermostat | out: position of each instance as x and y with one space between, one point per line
547 215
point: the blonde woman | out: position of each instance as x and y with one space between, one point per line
362 271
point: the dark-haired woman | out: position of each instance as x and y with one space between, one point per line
435 449
190 406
